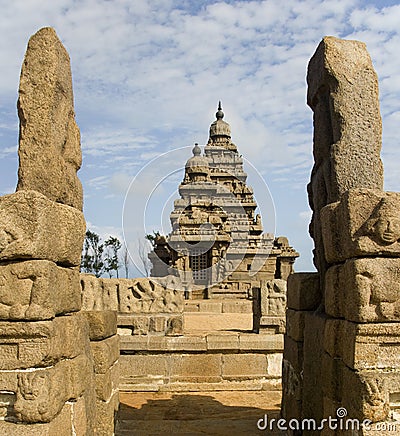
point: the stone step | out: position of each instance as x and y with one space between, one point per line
202 321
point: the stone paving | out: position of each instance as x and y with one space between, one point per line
196 413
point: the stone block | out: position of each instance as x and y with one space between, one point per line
146 295
251 341
138 365
42 343
367 394
223 341
102 324
61 425
363 223
272 324
343 93
273 297
312 364
293 353
134 343
140 325
292 390
92 293
49 139
34 227
210 306
41 393
244 306
38 290
111 294
364 290
363 346
331 376
157 324
105 353
303 291
174 325
244 366
195 368
107 383
106 415
274 365
295 324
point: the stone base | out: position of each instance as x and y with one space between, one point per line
214 361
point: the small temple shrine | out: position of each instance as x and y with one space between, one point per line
217 245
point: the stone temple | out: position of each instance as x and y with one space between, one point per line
217 246
72 346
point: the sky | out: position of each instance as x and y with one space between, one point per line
147 79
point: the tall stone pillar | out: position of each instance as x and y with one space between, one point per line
342 344
46 363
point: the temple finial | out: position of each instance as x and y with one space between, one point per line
219 114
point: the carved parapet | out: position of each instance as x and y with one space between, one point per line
145 306
364 222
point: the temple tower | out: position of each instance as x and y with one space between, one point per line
217 245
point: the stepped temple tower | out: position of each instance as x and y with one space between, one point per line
217 246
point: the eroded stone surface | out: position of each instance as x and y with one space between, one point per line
41 343
136 296
38 290
364 223
343 94
49 142
364 290
34 227
363 346
41 393
273 297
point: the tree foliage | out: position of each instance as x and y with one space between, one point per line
99 257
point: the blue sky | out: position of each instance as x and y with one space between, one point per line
148 76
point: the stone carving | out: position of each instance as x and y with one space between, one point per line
47 369
364 223
350 345
140 296
41 343
37 290
343 94
364 290
42 393
49 142
273 298
34 227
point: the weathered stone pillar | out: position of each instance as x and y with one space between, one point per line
341 361
46 366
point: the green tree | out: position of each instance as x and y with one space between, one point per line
92 255
111 259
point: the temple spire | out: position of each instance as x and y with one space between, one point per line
219 113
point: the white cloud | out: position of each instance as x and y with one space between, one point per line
148 75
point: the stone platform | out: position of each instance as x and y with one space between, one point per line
204 361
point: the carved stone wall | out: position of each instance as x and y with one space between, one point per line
341 347
145 306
